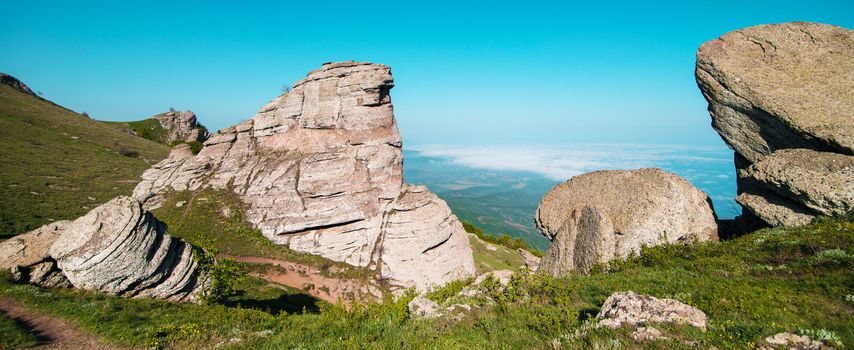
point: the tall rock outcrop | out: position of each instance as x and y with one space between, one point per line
181 126
777 87
320 170
603 215
117 248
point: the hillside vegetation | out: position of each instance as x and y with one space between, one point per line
151 129
769 281
56 164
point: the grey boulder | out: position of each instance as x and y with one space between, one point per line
604 215
630 309
778 87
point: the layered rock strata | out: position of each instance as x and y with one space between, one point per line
320 170
117 248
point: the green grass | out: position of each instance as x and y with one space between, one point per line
502 258
14 335
770 281
56 164
149 129
202 216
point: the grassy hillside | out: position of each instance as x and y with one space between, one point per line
56 164
490 257
149 129
769 281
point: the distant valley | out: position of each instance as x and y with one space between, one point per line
499 187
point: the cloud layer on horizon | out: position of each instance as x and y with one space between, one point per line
564 161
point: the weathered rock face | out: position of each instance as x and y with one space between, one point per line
777 87
630 309
6 79
182 126
603 215
31 248
117 248
320 169
817 182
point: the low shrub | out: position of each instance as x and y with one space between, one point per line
449 290
128 152
222 278
826 336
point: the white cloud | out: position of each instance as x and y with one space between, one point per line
564 161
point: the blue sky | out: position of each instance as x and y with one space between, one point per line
466 73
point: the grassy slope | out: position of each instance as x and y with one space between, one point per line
766 282
502 258
56 164
149 129
217 217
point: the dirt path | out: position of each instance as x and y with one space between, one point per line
52 332
310 280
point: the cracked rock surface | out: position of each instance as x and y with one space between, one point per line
778 87
320 171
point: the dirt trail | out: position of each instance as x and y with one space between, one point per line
52 332
310 280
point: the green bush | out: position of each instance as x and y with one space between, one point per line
449 290
222 278
826 336
196 146
144 132
831 256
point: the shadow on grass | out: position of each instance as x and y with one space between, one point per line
288 303
587 313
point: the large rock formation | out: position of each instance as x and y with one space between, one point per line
778 87
320 170
117 248
599 216
181 126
